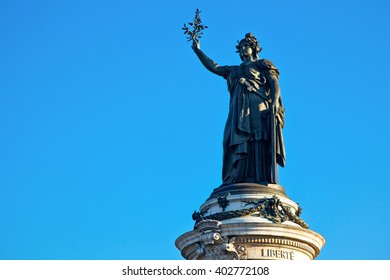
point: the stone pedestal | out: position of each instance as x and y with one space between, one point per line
249 221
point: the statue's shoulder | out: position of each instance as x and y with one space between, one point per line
266 64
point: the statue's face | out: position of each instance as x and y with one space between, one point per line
245 49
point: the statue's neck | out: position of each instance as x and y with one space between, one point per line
249 59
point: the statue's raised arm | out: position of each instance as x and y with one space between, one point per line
194 35
207 62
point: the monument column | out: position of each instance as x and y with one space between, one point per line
250 215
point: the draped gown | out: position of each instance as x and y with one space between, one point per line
247 139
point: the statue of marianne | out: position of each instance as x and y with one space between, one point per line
252 141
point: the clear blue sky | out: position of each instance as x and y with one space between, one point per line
111 129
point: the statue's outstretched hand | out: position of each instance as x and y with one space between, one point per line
195 44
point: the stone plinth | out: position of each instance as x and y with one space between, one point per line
249 221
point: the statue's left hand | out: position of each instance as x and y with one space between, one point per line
274 107
278 112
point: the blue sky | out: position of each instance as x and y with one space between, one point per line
111 129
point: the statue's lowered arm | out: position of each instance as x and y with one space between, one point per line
274 89
275 108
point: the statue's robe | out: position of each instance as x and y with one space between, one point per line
247 135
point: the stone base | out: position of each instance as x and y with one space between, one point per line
213 240
247 188
249 221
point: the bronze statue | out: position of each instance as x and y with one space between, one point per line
253 140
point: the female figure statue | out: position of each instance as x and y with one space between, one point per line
252 141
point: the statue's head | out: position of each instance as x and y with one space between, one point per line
250 40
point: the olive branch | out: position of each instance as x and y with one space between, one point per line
197 28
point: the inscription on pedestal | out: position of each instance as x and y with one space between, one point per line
278 254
